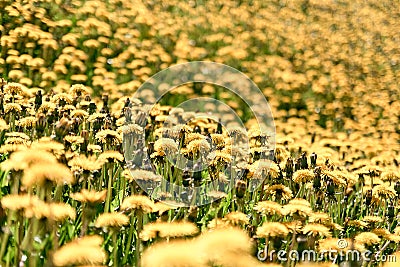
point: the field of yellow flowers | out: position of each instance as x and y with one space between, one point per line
329 69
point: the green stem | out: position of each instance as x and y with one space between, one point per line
129 242
115 247
33 261
4 243
138 242
109 190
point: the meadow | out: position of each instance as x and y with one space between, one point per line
74 182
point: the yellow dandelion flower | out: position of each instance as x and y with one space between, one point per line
79 113
52 211
60 212
218 223
84 163
49 145
8 148
303 176
94 148
372 219
383 192
367 238
316 229
73 139
218 140
320 217
329 244
300 201
335 177
390 175
350 178
168 229
16 141
110 155
27 122
279 191
394 238
357 223
92 196
12 108
397 230
3 125
18 202
237 218
13 88
381 232
109 136
272 229
37 174
298 210
176 253
19 135
111 219
46 107
23 159
213 243
162 207
79 89
333 226
294 226
269 208
82 251
61 97
193 136
96 116
138 202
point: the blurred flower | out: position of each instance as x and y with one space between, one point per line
18 202
87 196
138 202
110 156
236 218
38 173
86 250
113 219
168 229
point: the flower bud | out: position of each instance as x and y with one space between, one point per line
241 188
